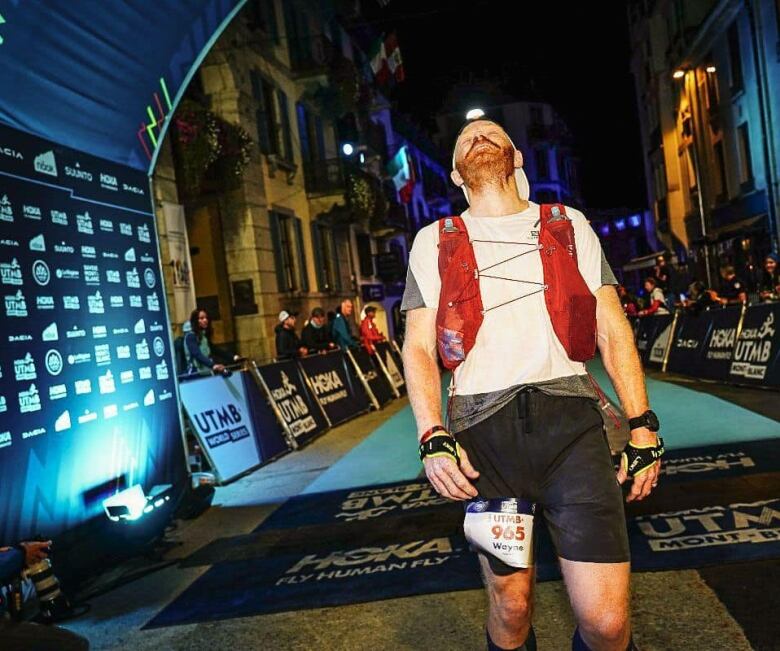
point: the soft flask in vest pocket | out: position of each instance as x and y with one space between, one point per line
502 527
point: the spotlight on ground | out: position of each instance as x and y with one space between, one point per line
132 504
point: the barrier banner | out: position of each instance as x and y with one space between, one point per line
268 430
756 358
218 411
652 336
377 382
292 399
340 393
689 343
715 360
385 354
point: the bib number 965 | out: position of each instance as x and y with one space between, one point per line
508 532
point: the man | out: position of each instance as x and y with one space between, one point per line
769 285
369 333
732 289
656 300
288 346
525 414
28 636
316 337
662 272
342 330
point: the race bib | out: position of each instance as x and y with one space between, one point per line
503 528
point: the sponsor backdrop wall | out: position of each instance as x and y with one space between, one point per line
87 396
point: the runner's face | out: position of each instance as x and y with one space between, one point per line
770 265
484 154
203 320
346 308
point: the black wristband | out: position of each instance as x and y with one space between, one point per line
439 446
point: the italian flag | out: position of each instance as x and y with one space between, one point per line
402 172
378 60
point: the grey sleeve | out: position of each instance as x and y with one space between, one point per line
607 275
412 298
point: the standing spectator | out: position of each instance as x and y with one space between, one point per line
197 344
663 273
316 337
288 346
628 301
732 288
342 332
769 285
657 300
369 333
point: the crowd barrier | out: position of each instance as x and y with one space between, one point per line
737 345
249 417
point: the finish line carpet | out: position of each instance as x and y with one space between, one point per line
716 505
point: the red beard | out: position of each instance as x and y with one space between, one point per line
486 164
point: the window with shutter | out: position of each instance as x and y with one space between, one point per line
302 274
284 125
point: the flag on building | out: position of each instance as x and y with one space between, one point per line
401 170
385 59
378 59
394 62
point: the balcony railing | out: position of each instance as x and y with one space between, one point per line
325 176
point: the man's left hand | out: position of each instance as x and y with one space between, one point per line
35 551
642 484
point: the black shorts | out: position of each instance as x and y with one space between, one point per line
553 451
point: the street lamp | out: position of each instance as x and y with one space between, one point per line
475 114
683 74
347 148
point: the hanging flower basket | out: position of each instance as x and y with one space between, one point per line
208 147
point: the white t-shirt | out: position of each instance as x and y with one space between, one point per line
516 344
658 295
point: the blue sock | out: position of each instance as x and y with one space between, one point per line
578 644
528 645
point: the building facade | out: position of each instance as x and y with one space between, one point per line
306 222
707 77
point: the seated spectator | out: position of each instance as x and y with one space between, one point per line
657 300
341 328
316 337
699 298
769 285
369 333
628 301
288 346
732 288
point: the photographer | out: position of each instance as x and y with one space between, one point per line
21 635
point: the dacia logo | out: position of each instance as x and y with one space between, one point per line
11 153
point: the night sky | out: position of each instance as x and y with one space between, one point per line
559 52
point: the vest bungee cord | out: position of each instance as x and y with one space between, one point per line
479 273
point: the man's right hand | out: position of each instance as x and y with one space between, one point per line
448 479
35 551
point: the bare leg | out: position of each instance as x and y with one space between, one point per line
599 595
510 602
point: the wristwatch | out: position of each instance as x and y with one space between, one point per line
648 420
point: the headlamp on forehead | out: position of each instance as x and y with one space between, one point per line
523 188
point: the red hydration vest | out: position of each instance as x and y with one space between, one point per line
570 304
